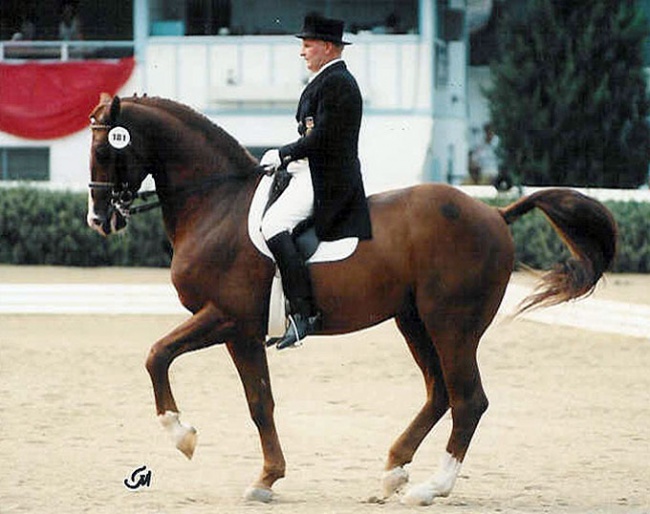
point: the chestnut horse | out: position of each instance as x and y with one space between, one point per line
438 263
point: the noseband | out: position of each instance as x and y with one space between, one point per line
122 197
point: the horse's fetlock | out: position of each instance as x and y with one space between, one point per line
271 474
398 459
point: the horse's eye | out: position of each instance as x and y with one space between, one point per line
102 153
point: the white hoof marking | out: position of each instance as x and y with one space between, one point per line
258 494
393 480
184 436
440 484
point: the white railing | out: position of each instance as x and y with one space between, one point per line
641 194
63 50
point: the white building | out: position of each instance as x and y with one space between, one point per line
244 72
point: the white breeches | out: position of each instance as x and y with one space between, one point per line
294 205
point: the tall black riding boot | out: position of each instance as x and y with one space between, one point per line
296 282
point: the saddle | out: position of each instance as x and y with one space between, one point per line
312 249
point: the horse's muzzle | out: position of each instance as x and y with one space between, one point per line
105 223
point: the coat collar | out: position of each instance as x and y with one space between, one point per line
326 67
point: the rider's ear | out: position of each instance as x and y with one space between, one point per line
115 109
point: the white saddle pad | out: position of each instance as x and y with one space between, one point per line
327 251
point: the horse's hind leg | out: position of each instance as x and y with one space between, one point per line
456 341
435 406
250 359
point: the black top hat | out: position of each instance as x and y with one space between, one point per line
316 26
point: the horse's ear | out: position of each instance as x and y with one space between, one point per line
115 108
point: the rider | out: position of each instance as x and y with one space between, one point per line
324 165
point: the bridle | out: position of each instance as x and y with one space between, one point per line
122 197
121 194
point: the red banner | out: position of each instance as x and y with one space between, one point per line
46 100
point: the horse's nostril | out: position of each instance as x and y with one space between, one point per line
94 221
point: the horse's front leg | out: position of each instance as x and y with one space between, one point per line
205 328
250 359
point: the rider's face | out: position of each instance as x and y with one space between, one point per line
316 53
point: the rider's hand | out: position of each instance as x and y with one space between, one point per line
271 160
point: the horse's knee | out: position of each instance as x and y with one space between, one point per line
158 357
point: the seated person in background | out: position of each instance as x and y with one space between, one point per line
484 161
27 30
70 26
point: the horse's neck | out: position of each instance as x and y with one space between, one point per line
220 213
193 178
175 148
199 198
211 197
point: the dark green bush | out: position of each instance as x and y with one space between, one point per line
634 236
46 227
538 245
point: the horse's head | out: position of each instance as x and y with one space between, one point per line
117 166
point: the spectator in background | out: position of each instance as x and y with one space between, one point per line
70 26
484 161
27 30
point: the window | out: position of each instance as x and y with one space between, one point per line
272 17
25 163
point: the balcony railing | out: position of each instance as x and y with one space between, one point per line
64 50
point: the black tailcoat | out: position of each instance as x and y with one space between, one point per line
329 119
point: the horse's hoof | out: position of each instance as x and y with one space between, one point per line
423 494
186 442
393 480
183 435
440 484
258 494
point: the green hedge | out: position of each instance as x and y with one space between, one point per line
46 227
538 245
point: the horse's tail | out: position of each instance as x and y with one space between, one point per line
588 229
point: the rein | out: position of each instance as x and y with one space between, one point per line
122 197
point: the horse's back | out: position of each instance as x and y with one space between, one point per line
441 214
431 241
